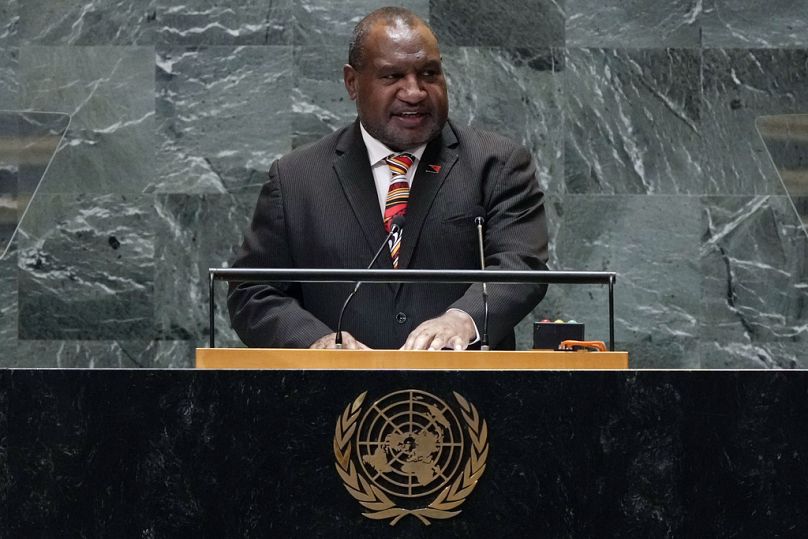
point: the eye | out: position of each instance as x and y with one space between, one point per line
430 73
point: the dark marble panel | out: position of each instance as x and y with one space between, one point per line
223 116
633 121
739 86
755 24
9 78
8 307
122 354
513 92
5 477
86 268
58 354
237 454
9 24
88 22
109 93
633 23
175 354
195 233
523 23
320 103
754 262
331 22
801 207
225 22
652 243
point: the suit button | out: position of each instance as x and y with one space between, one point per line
401 318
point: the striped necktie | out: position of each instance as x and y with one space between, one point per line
397 195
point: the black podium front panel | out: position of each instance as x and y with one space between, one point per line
252 454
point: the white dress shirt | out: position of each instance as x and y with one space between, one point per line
377 152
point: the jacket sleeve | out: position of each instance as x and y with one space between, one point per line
515 239
270 315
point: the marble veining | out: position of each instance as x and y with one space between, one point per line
87 22
753 261
320 103
640 238
330 23
9 82
87 268
739 86
528 23
108 93
85 354
8 307
186 247
9 24
514 92
633 122
641 116
209 22
634 23
223 117
754 24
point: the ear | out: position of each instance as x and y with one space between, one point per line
349 76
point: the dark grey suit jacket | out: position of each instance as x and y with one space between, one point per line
320 209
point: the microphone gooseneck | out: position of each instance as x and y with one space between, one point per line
395 225
480 221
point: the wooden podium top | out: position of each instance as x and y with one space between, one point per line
295 359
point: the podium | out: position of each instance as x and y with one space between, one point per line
283 359
258 453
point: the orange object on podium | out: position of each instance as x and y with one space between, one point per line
297 359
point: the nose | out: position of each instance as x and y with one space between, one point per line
411 90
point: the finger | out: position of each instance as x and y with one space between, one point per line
410 342
354 344
457 343
423 340
349 342
320 344
436 343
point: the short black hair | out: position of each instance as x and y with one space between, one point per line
390 15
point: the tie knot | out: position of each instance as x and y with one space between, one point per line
399 163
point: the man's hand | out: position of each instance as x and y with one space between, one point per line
453 329
329 341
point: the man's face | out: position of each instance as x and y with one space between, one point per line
400 91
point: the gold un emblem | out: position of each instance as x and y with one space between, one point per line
407 446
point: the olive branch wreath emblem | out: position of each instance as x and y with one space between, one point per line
380 506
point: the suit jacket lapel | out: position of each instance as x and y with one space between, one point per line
441 151
353 170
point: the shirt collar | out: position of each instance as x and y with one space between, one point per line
378 151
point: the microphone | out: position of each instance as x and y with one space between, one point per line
480 221
396 224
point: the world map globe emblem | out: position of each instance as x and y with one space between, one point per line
409 443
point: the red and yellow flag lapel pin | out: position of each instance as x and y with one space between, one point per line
434 169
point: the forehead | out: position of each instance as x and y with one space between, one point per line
397 42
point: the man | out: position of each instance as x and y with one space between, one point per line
331 204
